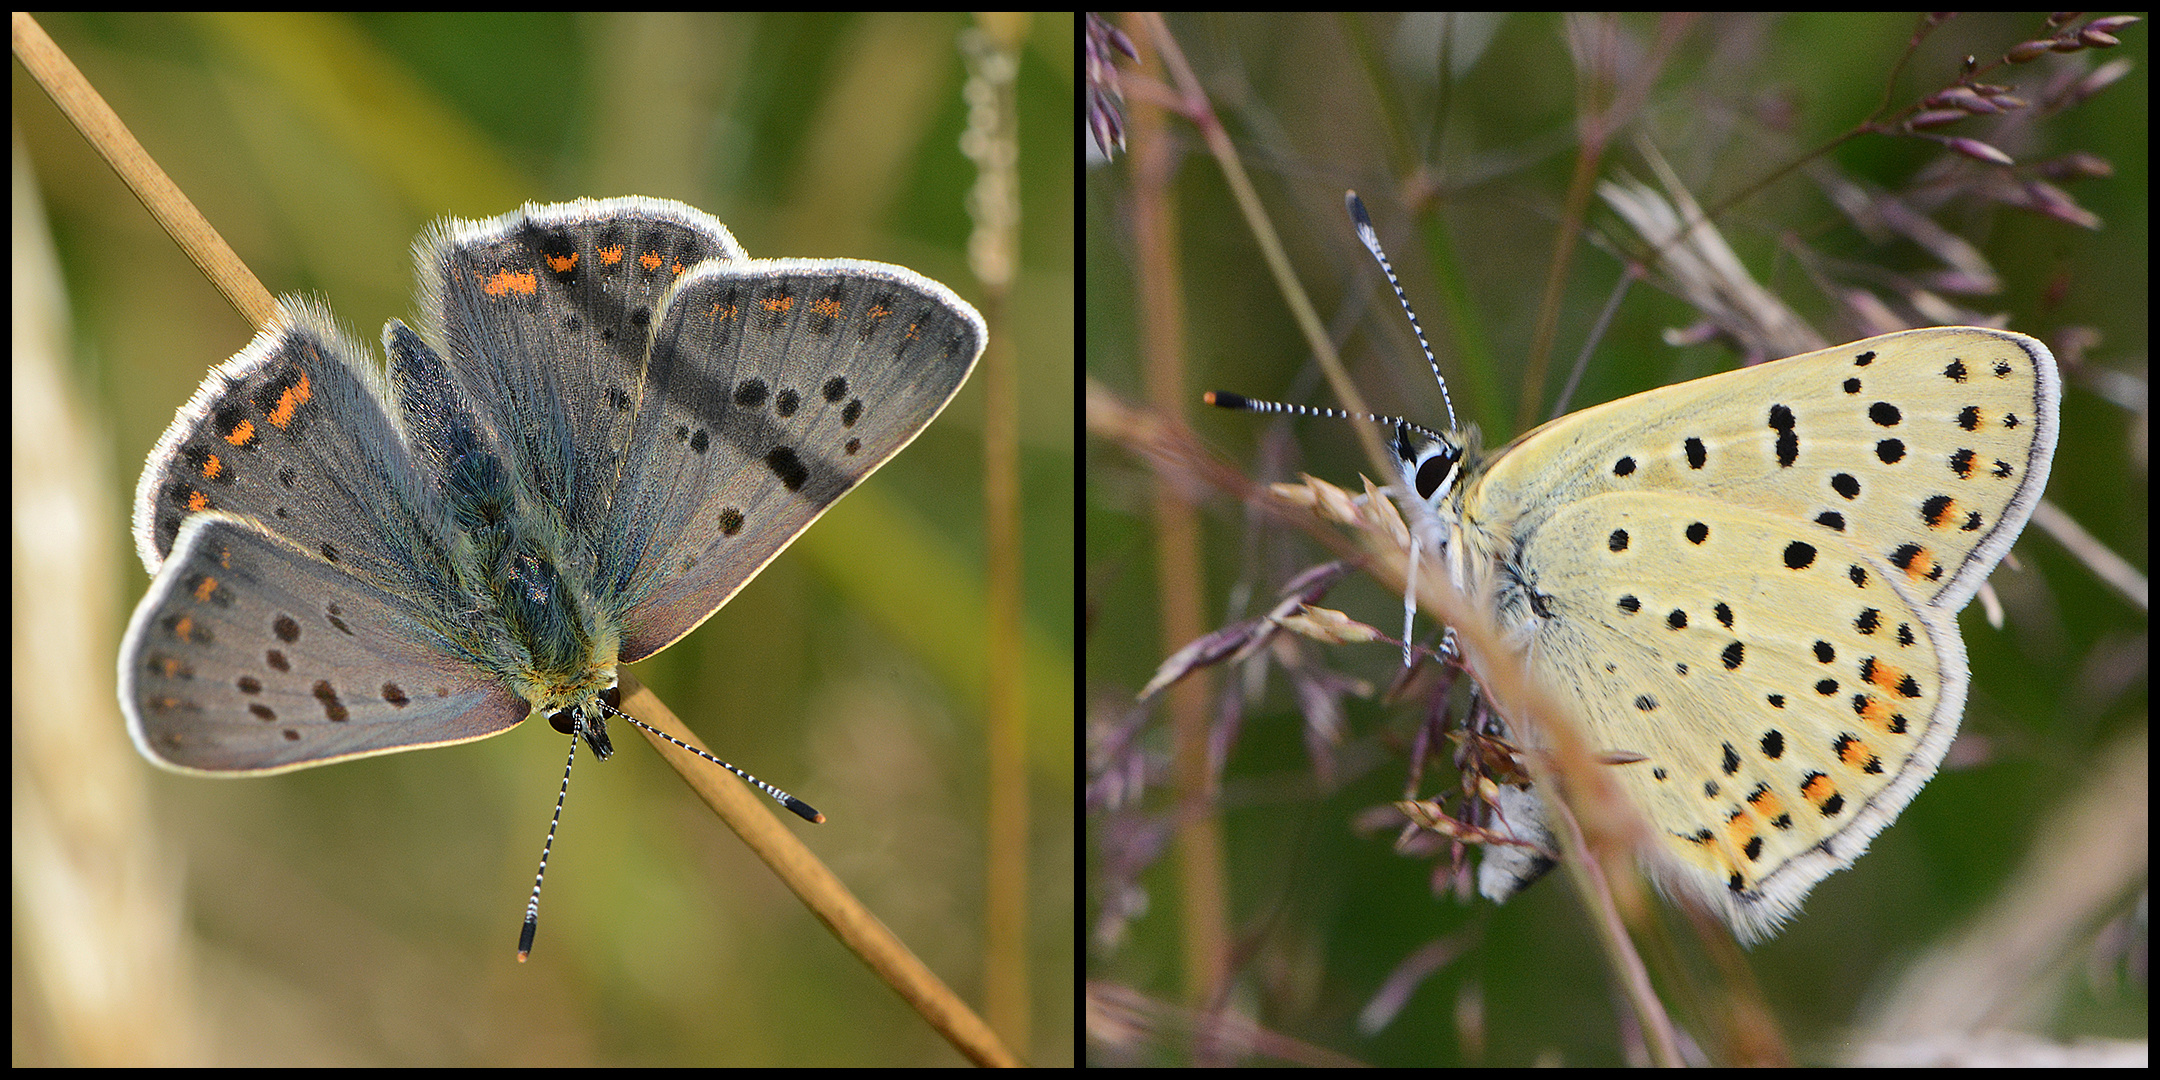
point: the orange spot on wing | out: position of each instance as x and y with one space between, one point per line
1739 829
1818 790
288 404
1887 676
1854 753
1922 566
1872 710
506 282
1767 803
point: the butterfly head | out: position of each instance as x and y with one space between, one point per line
1431 464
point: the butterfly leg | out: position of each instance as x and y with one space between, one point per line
1409 599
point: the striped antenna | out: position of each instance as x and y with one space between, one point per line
1371 238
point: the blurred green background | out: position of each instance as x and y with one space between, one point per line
1320 913
366 913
